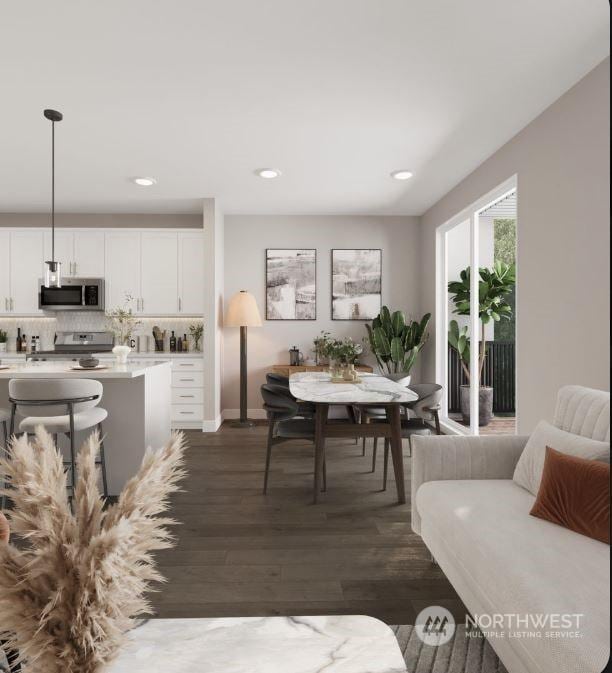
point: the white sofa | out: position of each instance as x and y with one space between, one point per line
475 521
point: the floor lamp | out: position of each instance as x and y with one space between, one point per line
243 312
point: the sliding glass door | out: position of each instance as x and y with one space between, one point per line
475 357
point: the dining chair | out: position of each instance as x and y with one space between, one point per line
416 421
305 409
62 406
284 423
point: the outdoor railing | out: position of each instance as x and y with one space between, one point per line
499 372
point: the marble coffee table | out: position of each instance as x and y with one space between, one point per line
344 644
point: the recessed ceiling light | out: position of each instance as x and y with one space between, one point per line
144 182
268 173
402 174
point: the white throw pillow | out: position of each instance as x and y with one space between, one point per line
528 472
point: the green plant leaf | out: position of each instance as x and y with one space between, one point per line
397 350
398 320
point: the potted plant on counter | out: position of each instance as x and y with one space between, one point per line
3 340
397 342
122 324
494 287
196 330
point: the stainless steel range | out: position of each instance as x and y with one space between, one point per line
73 345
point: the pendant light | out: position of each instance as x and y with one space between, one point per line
53 269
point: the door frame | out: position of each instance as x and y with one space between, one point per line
470 213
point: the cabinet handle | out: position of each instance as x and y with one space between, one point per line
74 269
186 396
188 413
186 380
6 304
12 307
185 364
142 305
180 305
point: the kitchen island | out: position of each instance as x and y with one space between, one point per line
137 397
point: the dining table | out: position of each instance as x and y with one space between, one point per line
370 390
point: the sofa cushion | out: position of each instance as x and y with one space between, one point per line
516 563
528 472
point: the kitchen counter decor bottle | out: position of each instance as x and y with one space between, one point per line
3 339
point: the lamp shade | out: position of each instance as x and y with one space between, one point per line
242 311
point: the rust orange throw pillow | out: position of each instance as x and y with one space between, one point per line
575 493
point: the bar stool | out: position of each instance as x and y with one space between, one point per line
62 406
5 416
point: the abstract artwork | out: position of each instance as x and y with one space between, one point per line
291 284
356 284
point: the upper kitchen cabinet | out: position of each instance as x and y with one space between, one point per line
122 268
81 251
5 271
159 272
25 271
191 273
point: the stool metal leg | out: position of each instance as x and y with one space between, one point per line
374 450
103 461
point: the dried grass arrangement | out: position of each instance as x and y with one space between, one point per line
72 590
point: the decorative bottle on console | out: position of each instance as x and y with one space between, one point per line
172 343
18 341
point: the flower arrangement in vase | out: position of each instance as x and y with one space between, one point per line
122 323
196 330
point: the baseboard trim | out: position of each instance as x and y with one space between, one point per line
254 414
212 426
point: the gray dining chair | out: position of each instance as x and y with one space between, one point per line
285 423
417 420
5 416
61 406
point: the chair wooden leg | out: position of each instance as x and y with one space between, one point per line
374 450
386 462
103 461
268 455
5 432
4 455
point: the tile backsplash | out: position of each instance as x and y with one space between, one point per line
83 321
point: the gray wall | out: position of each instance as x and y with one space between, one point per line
562 162
246 239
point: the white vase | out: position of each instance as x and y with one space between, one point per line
403 378
121 354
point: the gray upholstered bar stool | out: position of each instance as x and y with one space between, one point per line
62 406
5 416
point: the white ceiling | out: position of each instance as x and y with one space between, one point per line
335 93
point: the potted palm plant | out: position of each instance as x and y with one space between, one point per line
494 287
397 342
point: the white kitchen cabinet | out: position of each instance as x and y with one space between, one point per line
26 252
81 251
64 251
191 273
122 268
88 257
159 272
5 271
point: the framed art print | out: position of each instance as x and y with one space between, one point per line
356 283
291 284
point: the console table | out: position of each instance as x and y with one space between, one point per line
339 644
287 370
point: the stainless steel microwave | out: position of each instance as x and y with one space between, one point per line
76 294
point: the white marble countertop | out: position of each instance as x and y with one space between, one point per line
340 644
374 389
62 370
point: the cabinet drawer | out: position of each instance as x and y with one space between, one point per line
187 379
187 412
188 396
184 365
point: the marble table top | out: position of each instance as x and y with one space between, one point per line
373 389
340 644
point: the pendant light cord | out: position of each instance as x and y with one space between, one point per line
53 191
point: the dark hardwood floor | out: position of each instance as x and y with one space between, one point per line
241 553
